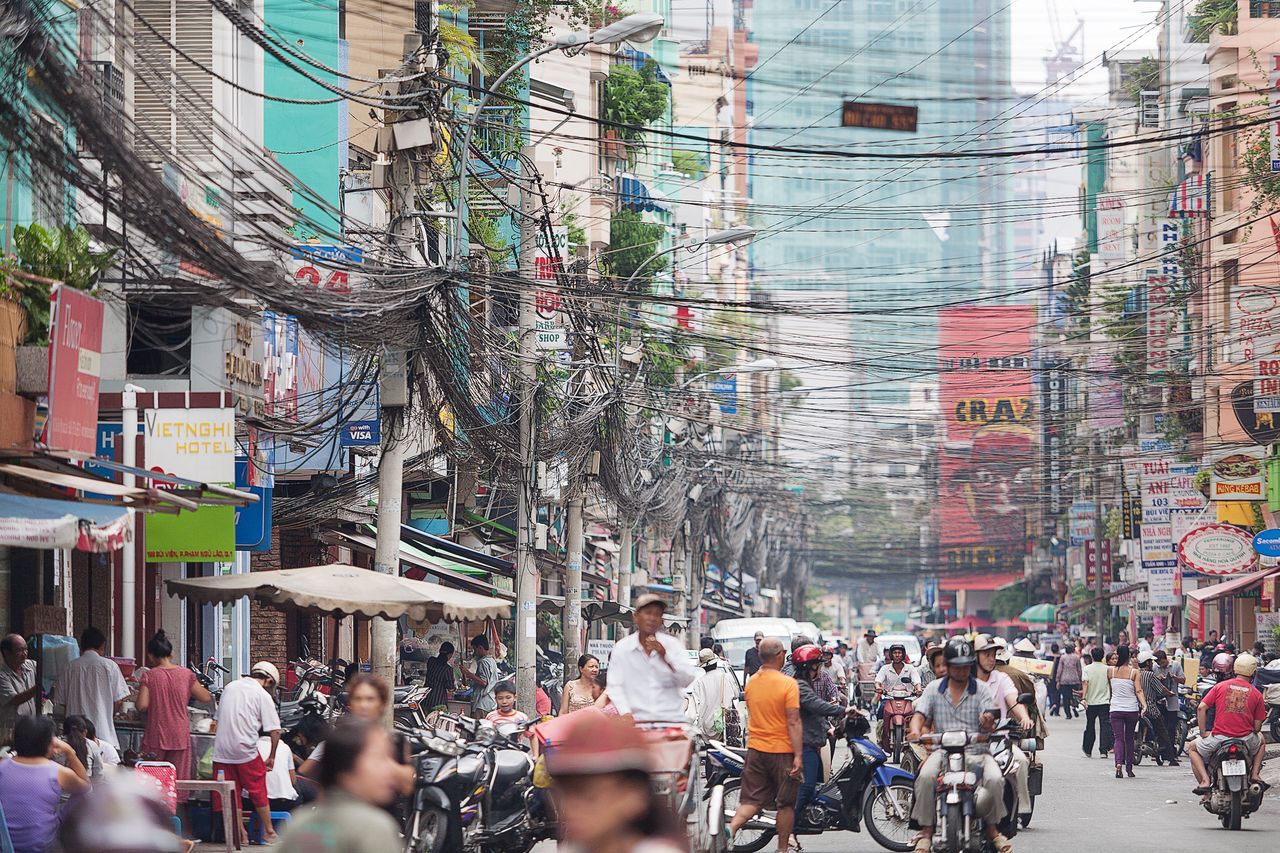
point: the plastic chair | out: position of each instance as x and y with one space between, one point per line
255 825
164 776
6 843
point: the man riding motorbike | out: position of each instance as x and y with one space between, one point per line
897 672
1238 713
1006 695
815 712
957 702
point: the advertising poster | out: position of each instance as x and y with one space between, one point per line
198 444
1238 475
988 407
1106 393
75 358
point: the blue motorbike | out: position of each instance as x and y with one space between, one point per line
867 789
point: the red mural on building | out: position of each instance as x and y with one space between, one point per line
989 412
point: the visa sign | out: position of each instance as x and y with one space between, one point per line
361 433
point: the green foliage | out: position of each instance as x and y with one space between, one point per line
663 361
483 230
577 234
1145 77
632 241
1078 290
812 613
689 163
1255 157
634 97
1009 602
63 254
463 50
550 624
1210 16
1113 524
788 381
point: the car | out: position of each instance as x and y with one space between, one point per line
738 635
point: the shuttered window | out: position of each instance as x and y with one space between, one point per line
172 95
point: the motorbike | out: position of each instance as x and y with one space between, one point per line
1267 680
475 795
959 829
867 789
1231 796
895 713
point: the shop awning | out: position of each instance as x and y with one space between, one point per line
420 564
43 523
344 590
84 482
978 583
634 195
437 546
637 58
205 493
1231 587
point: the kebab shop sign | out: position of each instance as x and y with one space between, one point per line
200 445
1238 475
1217 549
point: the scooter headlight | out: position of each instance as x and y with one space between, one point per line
955 739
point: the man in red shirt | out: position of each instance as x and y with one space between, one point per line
1238 713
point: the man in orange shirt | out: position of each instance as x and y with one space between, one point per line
771 776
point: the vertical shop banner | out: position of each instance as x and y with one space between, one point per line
1274 100
1162 325
1106 393
1159 564
280 365
198 444
1169 238
75 363
1113 235
725 387
1053 407
1080 523
987 400
1155 490
1256 323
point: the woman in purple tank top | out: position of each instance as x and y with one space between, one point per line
31 784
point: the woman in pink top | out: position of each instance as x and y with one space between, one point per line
162 696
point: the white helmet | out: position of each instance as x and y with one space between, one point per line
983 642
1003 653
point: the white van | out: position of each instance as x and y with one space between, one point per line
738 635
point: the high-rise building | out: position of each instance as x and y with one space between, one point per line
911 229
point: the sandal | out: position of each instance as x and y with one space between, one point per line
1002 844
921 844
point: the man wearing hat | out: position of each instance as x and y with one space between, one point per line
867 651
245 709
712 696
648 669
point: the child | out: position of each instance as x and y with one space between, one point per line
505 696
109 755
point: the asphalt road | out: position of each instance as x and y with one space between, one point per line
1084 807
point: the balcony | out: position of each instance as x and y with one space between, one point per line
1264 8
499 135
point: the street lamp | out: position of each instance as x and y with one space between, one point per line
729 236
640 27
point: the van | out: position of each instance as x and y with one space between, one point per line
738 635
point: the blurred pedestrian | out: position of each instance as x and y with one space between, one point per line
368 697
125 816
1055 695
1171 675
1070 675
438 678
1097 706
606 800
359 779
583 691
1156 692
712 698
1127 702
815 716
751 661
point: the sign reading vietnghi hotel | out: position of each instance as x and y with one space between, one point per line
198 444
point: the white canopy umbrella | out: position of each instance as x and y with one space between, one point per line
344 590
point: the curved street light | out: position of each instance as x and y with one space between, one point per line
640 27
729 236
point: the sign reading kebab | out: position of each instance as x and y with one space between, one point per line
988 402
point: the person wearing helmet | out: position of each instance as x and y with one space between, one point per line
1223 666
956 702
1006 693
245 709
815 713
1238 712
1157 692
833 666
897 672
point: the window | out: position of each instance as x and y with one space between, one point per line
1264 8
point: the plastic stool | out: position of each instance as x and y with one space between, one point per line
177 825
255 827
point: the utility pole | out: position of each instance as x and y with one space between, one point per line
626 555
394 396
573 586
1100 585
526 500
680 574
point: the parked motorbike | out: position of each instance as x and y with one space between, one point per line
867 789
959 829
1267 680
895 713
1231 796
475 795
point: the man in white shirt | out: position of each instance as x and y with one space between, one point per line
18 689
93 686
649 669
867 651
712 695
244 710
1006 696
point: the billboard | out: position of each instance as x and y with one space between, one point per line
75 358
199 444
988 404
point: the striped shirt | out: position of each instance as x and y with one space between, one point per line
439 682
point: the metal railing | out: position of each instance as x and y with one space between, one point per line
1264 8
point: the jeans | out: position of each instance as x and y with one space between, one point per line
1122 726
1067 698
1100 714
812 757
1171 725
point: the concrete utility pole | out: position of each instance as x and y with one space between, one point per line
626 565
680 574
1100 589
573 587
394 396
526 491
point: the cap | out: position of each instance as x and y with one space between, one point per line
1246 665
1143 657
599 744
649 598
267 668
706 656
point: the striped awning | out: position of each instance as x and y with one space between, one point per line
637 58
634 195
1190 197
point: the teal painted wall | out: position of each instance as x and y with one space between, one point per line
309 140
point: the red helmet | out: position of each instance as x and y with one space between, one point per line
808 653
1223 663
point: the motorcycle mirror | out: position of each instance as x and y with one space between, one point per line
742 695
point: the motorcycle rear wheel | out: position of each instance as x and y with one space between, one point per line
747 840
1232 821
889 832
955 819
